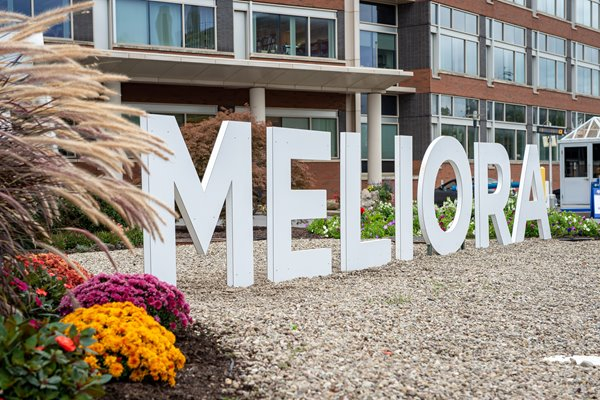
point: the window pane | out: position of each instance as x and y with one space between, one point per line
458 55
368 52
499 112
446 104
560 76
458 20
388 132
386 50
445 17
472 58
473 137
497 30
445 53
18 6
520 67
456 131
515 113
377 13
132 26
195 118
61 30
520 144
328 125
296 123
165 24
576 162
434 104
472 106
272 33
83 24
460 107
498 63
509 33
506 137
199 27
322 38
364 151
389 105
298 36
471 24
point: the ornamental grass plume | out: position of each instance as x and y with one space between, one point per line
50 101
162 301
130 343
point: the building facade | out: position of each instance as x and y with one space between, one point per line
477 70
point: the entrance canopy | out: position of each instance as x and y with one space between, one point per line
588 132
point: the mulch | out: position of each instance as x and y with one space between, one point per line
204 375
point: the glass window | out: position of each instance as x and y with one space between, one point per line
454 57
377 50
130 27
576 162
83 24
587 13
499 111
509 65
446 104
18 6
199 27
553 7
377 13
389 105
445 17
466 135
545 142
388 133
61 30
513 141
322 34
165 24
515 113
434 104
295 123
328 125
280 34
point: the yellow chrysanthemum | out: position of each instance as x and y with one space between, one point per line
128 336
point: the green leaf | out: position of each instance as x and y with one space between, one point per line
54 379
18 357
6 380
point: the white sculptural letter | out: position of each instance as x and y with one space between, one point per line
285 204
531 184
403 197
491 204
228 177
355 253
442 149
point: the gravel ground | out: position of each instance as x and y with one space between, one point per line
476 324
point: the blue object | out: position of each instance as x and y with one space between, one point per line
595 199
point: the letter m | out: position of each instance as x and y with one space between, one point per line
228 177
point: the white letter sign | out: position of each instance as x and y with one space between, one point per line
491 204
404 197
442 149
356 254
200 203
285 204
531 180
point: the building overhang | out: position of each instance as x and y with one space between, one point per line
227 72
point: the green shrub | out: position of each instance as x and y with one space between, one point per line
68 240
135 236
71 216
108 237
384 190
46 361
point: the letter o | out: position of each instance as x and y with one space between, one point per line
442 149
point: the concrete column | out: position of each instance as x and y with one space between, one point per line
257 104
374 138
102 39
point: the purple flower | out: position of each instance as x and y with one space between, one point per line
143 290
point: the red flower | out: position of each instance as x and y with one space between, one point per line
65 343
39 348
22 286
38 301
34 324
362 210
41 292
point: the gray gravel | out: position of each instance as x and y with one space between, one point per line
476 324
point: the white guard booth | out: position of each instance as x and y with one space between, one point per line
579 165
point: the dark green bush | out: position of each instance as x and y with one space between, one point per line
71 216
46 361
